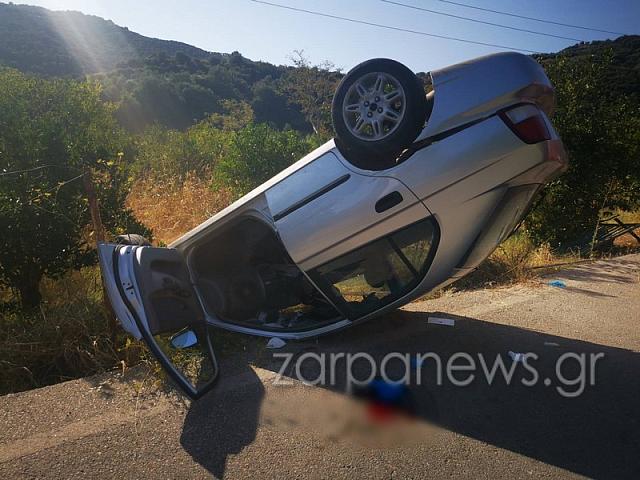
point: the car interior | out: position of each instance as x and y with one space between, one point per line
245 276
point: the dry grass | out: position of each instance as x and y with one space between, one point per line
67 337
517 259
629 217
172 208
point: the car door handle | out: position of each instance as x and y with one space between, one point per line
388 201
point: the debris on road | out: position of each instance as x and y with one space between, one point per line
442 321
551 344
276 342
557 283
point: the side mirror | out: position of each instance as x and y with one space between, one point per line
184 339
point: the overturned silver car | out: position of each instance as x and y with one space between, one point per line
414 193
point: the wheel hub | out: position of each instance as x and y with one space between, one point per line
374 106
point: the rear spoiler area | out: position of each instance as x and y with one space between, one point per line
471 91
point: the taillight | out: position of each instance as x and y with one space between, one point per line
527 122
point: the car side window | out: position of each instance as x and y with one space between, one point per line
368 278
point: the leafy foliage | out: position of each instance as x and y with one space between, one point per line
601 133
256 153
312 88
51 133
231 149
622 74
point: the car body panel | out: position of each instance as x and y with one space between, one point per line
311 177
388 224
335 220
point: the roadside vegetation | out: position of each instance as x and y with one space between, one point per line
161 178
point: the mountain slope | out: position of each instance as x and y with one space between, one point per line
178 90
37 40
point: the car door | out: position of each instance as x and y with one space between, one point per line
325 210
152 295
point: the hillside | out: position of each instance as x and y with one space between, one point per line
37 40
177 91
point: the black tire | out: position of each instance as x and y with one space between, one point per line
132 239
380 153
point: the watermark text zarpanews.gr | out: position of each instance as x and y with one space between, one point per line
571 375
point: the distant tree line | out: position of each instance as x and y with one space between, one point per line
178 91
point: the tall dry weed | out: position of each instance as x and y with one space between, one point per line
171 207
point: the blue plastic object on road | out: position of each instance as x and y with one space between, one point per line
387 392
557 283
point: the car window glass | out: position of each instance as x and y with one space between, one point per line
374 275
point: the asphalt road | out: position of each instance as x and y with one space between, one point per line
123 426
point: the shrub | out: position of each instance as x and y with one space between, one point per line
256 153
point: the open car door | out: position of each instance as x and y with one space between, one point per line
152 295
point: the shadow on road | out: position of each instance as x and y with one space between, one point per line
224 421
602 271
596 434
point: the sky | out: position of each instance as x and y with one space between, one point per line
263 32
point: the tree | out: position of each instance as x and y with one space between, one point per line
311 87
601 133
51 133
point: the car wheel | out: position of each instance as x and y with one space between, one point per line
378 110
132 239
